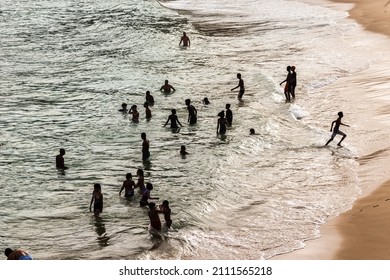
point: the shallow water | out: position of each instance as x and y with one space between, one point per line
67 67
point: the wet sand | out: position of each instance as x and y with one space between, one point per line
363 232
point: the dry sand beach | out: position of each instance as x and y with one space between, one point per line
363 232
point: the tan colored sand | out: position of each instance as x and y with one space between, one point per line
363 233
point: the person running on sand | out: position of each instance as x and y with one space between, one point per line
336 129
167 88
17 254
128 186
185 40
97 200
240 85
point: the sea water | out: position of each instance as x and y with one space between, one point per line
66 68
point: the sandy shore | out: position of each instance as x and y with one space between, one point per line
363 232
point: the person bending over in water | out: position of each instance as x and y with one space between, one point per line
17 254
155 222
97 200
167 88
185 40
174 120
240 85
60 162
221 125
192 112
128 186
337 130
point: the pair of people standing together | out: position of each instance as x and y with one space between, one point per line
291 83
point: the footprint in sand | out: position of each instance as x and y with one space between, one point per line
375 206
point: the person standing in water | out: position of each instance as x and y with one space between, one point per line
97 200
141 181
164 208
174 120
240 85
60 162
18 255
185 40
221 125
336 129
149 98
287 86
192 112
148 112
155 222
145 147
167 88
135 114
128 186
229 115
293 82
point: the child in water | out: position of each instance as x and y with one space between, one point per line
128 186
164 208
97 200
146 195
155 223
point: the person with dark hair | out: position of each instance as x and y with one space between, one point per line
174 120
128 186
148 112
192 112
293 82
183 151
240 85
60 162
145 147
149 98
124 108
185 40
221 125
287 87
146 195
17 254
167 88
97 200
141 181
251 131
164 208
229 115
135 114
336 129
206 101
155 222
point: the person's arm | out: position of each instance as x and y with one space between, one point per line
102 201
331 127
344 124
123 186
173 89
178 121
217 126
90 205
167 121
235 87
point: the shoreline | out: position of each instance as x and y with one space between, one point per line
363 232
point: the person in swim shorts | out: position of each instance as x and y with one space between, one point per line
17 254
336 129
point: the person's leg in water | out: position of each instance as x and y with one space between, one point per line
339 144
